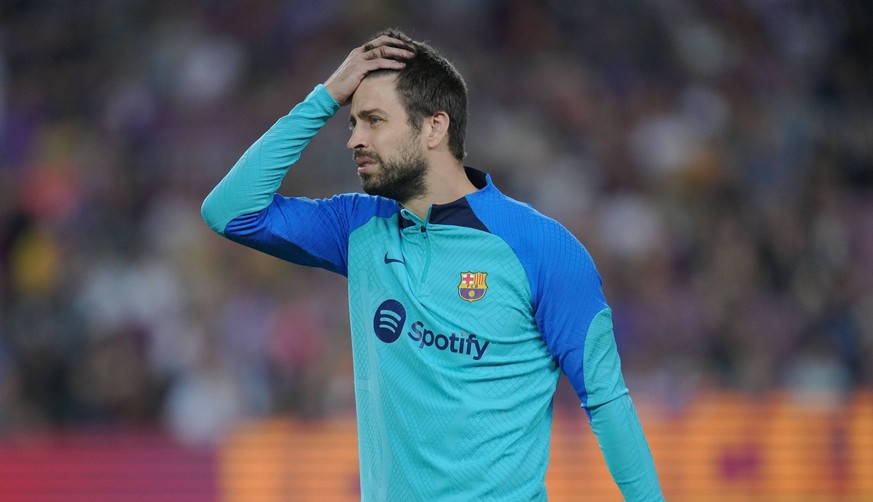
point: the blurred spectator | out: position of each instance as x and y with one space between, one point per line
714 157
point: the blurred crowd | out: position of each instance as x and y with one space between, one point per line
715 157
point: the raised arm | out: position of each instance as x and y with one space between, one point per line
244 206
251 183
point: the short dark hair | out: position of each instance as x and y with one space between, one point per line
428 84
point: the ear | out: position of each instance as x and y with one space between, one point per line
438 130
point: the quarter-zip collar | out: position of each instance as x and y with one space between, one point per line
457 212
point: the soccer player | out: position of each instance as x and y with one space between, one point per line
464 304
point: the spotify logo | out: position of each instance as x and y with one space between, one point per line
389 320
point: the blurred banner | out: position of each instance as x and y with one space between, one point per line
720 447
101 466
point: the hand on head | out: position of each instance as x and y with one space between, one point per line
382 53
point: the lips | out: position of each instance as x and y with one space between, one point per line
364 163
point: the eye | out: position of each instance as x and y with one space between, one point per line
374 120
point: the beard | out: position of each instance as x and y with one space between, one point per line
401 178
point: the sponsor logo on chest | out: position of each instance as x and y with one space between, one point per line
389 322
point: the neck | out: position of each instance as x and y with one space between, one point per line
446 182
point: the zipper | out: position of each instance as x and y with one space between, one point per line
426 267
423 232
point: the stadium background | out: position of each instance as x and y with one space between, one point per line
716 158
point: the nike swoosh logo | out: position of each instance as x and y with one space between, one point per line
393 260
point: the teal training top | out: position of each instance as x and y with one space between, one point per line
460 326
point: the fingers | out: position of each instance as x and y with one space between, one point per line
382 53
388 48
385 53
386 40
383 63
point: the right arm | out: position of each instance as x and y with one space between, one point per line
250 185
244 206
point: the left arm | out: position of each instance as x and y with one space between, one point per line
625 449
576 323
614 420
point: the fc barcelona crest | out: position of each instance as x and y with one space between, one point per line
472 286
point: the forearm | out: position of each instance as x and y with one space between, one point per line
251 183
625 449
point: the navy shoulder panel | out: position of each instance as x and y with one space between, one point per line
457 213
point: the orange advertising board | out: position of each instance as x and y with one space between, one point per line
719 447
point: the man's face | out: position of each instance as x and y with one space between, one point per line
388 151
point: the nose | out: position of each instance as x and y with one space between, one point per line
356 140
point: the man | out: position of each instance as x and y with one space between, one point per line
464 303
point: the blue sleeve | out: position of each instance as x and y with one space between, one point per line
310 232
626 451
576 324
615 422
566 295
251 183
567 298
245 208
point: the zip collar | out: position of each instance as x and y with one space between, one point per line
458 212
